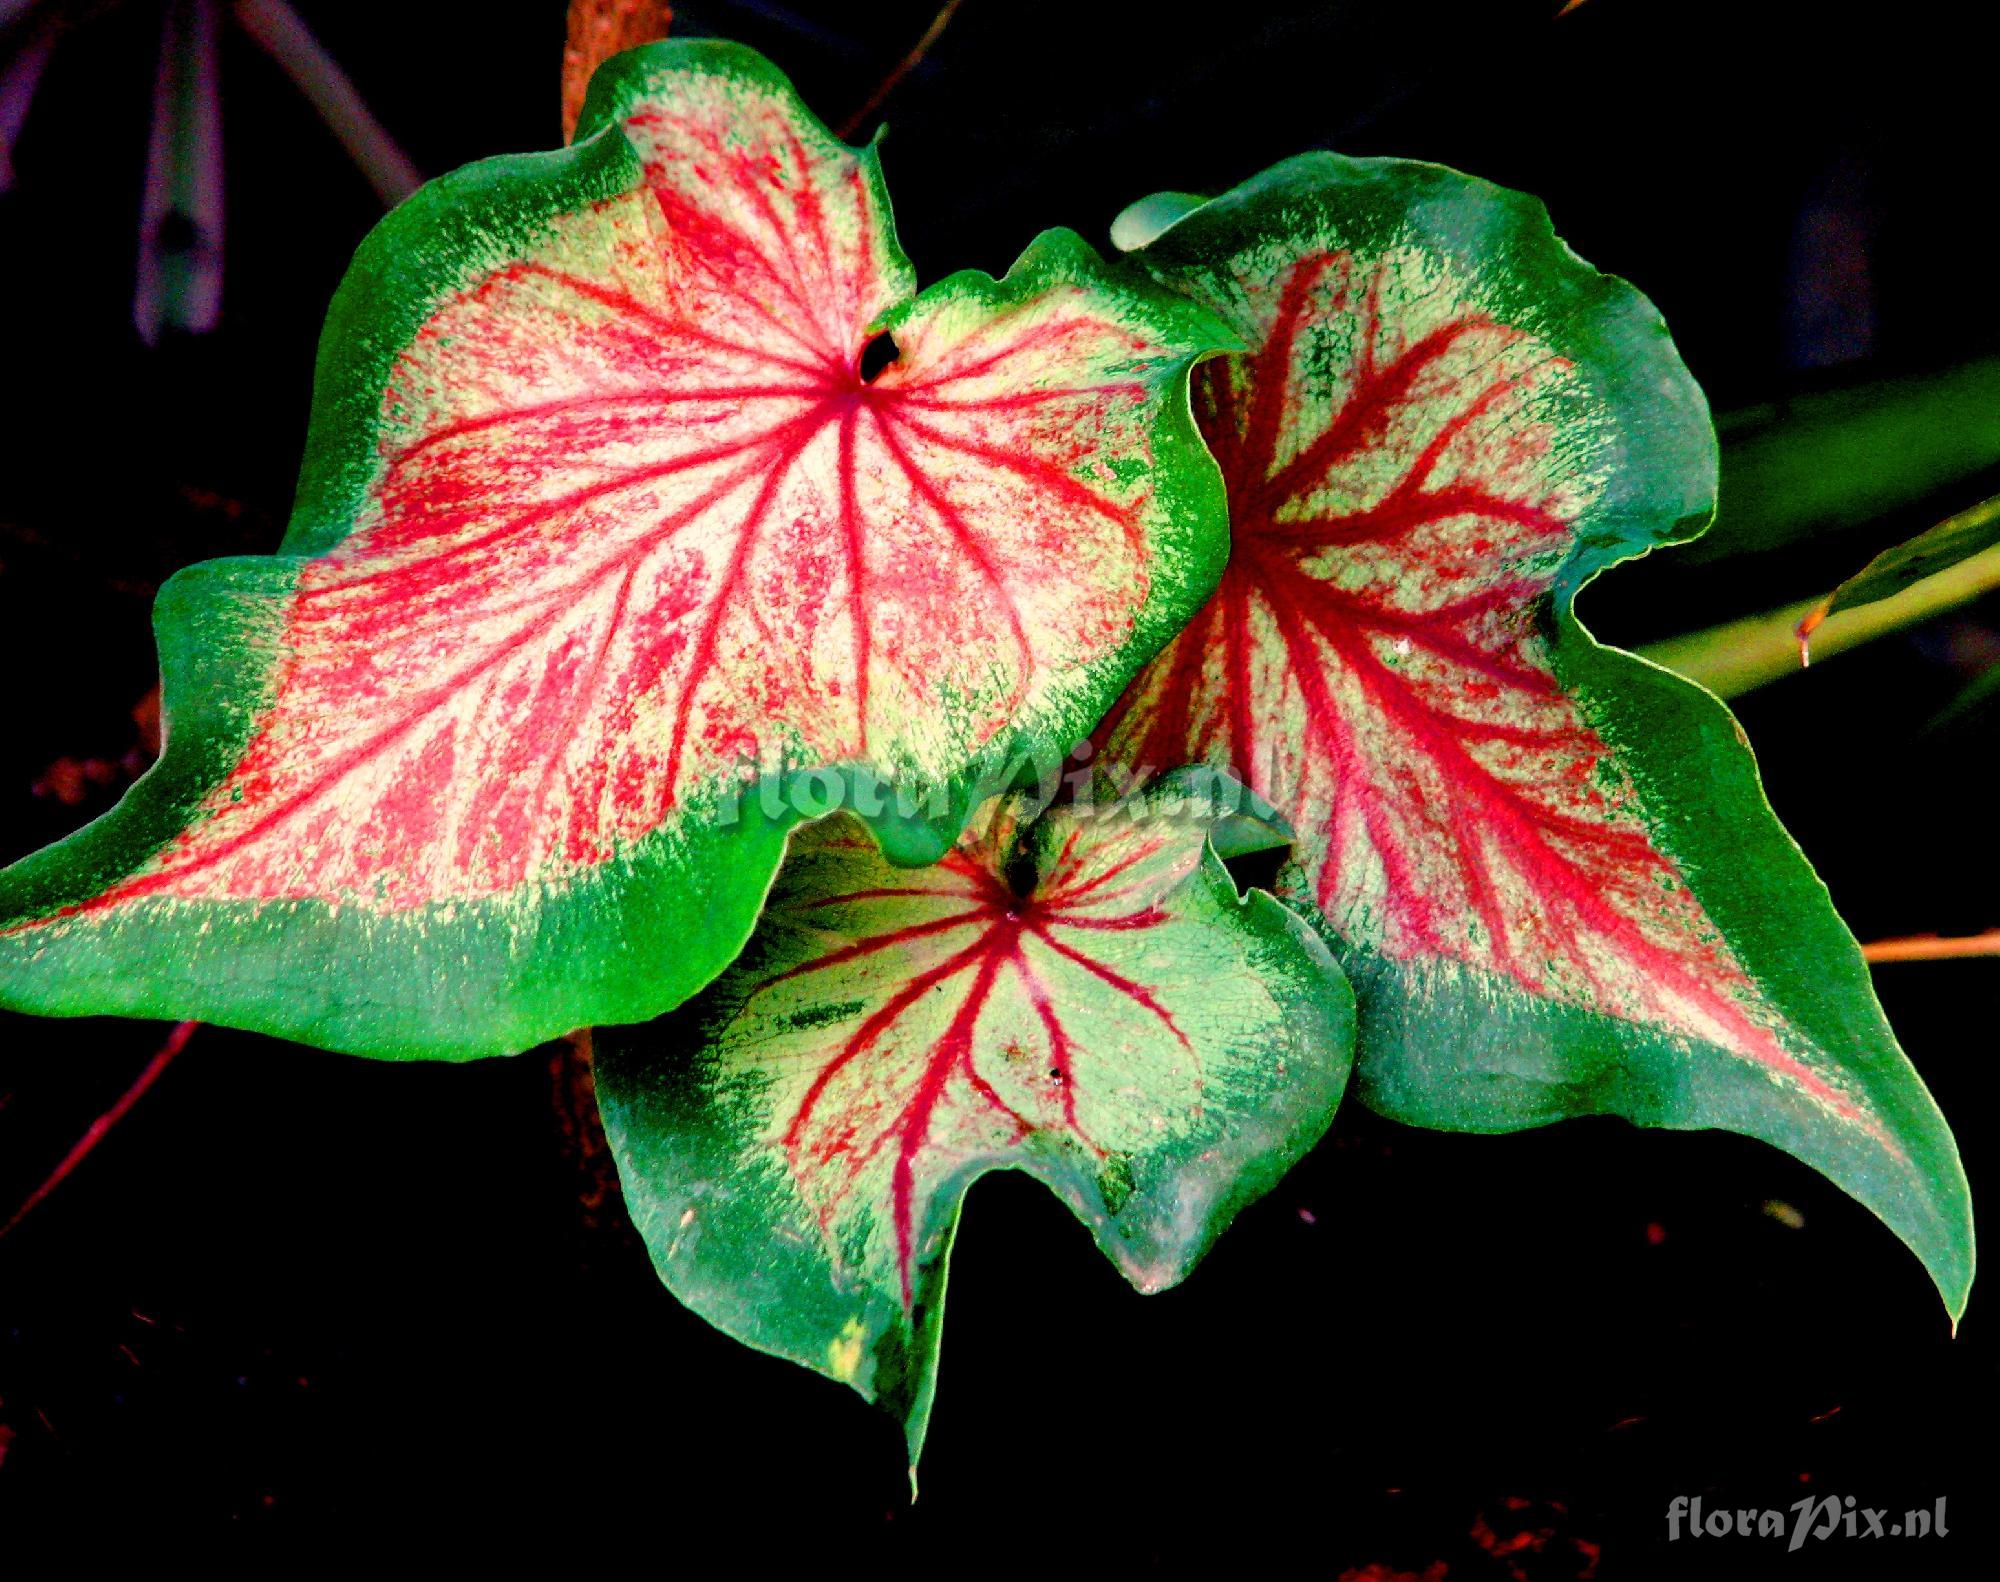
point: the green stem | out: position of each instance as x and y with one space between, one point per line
1741 655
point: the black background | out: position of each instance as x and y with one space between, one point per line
328 1299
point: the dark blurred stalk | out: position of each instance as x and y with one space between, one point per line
1971 701
25 44
180 215
283 35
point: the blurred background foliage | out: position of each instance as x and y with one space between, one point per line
1801 193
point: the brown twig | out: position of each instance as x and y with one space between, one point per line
580 1130
599 29
1930 947
904 67
99 1128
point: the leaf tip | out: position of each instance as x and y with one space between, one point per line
1139 223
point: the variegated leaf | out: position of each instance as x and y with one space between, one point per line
1548 867
607 514
1087 999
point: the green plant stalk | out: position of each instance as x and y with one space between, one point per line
1839 459
1740 656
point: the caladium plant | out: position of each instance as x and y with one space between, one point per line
653 525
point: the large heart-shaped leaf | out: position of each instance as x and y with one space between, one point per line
605 512
1548 867
1087 999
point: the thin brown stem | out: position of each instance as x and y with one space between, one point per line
1930 947
903 68
179 278
100 1128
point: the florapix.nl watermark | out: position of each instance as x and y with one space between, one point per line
1817 1518
783 784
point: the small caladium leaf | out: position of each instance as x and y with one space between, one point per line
1548 867
1086 999
613 499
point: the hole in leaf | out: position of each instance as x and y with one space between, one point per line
1257 869
1021 876
877 355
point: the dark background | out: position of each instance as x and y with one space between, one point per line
327 1299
